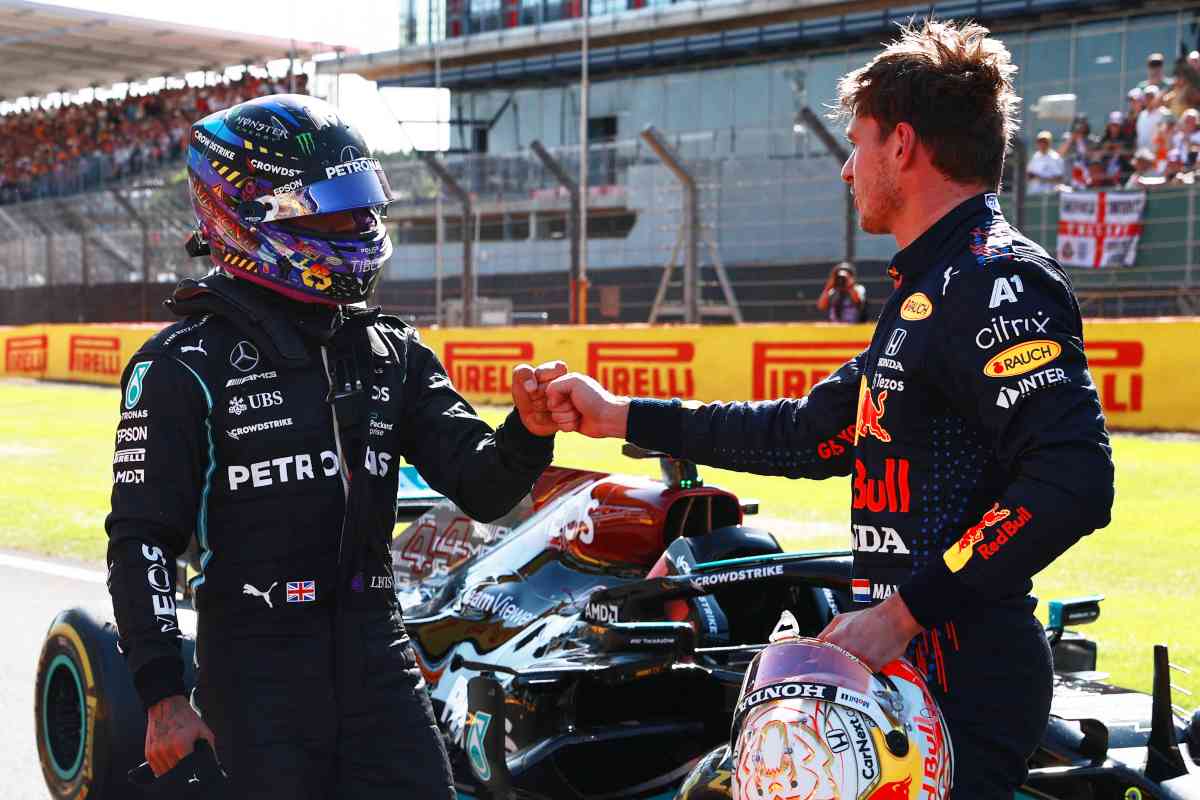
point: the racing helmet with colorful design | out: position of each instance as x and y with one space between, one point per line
287 195
814 723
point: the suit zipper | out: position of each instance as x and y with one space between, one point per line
343 468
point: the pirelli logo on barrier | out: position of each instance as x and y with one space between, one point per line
644 369
1117 371
485 367
791 369
95 355
25 355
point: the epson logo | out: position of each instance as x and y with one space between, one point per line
602 612
214 146
135 433
288 187
274 169
352 167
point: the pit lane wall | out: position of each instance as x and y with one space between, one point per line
1147 370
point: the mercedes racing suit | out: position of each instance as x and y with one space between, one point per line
274 432
978 451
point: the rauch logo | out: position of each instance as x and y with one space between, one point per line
25 354
485 366
645 369
791 369
95 355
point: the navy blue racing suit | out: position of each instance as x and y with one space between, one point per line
979 454
274 432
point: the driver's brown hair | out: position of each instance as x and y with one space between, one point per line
953 84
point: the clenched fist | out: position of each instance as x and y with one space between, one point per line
579 403
529 395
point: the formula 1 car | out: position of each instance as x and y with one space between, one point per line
592 644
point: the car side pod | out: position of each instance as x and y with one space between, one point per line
485 735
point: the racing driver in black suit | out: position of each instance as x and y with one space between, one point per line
270 423
970 424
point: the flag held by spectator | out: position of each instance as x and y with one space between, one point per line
1099 229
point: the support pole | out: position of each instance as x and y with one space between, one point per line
1020 181
691 215
573 218
584 90
835 149
468 213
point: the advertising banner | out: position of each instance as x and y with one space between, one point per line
1099 229
1144 369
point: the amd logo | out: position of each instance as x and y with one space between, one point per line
602 612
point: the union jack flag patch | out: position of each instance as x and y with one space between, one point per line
301 591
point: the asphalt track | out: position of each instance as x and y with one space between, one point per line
32 591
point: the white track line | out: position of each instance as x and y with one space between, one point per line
50 568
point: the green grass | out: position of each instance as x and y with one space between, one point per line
57 443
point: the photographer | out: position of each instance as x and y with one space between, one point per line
842 298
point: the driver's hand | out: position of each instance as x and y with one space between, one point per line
579 403
172 730
529 395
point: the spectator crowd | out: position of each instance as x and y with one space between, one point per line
1152 142
46 152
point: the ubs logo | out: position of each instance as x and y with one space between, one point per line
645 369
791 369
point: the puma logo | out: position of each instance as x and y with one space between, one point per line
266 596
199 348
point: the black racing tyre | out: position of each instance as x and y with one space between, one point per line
89 723
71 712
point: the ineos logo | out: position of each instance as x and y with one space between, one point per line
244 356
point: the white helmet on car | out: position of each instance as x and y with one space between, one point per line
814 723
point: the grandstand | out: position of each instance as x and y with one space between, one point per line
730 86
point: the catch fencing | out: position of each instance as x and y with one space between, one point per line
771 213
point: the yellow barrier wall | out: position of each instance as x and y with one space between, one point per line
1147 371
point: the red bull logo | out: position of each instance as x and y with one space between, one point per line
870 412
960 553
95 355
893 790
25 354
889 493
644 369
485 367
791 369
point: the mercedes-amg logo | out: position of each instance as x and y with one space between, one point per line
244 356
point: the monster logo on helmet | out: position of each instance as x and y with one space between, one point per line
269 185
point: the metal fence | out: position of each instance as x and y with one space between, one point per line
771 212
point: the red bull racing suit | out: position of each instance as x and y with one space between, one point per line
274 432
979 454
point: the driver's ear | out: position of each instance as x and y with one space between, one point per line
905 144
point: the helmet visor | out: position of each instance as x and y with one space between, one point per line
366 189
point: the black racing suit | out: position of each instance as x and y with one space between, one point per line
274 432
978 451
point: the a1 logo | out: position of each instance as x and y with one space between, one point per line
1005 290
133 392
